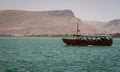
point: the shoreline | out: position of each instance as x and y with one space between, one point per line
40 37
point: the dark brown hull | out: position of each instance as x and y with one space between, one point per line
79 42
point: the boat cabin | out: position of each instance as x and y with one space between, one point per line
92 37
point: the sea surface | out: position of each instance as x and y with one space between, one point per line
32 54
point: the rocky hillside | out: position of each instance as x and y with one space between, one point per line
20 23
113 26
25 23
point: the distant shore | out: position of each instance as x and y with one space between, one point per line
46 35
116 35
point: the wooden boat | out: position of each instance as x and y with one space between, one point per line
88 40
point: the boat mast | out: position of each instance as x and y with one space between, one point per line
77 28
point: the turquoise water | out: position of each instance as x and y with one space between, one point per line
52 55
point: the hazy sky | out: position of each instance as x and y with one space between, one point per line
95 10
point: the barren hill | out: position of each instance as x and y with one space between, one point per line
21 23
113 26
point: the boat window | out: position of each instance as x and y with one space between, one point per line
103 37
94 38
98 38
108 38
89 38
85 38
81 38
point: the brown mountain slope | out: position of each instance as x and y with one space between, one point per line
20 23
113 26
97 25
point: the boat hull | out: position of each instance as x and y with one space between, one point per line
79 42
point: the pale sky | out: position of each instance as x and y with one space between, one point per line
92 10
